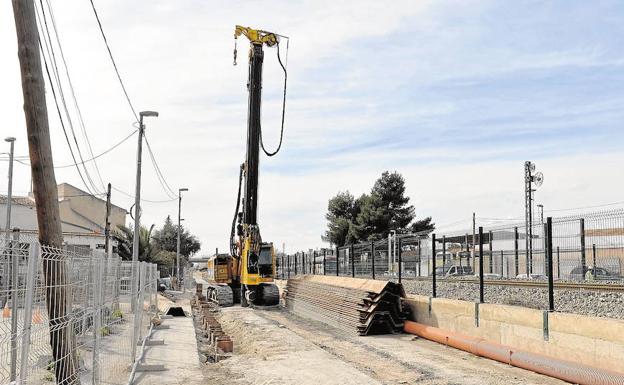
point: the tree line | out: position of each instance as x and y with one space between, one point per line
157 246
373 216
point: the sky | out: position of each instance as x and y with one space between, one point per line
454 95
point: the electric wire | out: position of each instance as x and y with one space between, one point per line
279 59
160 176
73 94
58 110
52 57
110 54
143 199
88 160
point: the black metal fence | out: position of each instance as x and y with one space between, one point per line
586 248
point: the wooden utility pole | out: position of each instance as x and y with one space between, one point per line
107 223
62 340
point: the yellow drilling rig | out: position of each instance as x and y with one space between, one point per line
246 274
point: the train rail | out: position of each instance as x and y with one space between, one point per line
610 287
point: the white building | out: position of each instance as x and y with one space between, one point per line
83 216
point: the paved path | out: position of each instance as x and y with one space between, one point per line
178 354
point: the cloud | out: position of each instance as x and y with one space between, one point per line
455 95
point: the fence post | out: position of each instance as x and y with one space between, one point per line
558 265
400 257
443 255
544 231
373 257
324 262
516 267
14 254
296 264
337 264
31 281
491 259
288 264
594 257
481 291
138 308
433 265
97 319
502 264
282 267
352 252
419 259
551 285
583 259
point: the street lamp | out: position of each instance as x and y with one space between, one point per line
178 245
10 140
137 208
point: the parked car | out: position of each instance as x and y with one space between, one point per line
489 276
600 274
164 284
456 271
532 276
442 270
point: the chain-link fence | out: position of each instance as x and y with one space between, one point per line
67 315
587 253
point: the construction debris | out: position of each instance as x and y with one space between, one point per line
351 304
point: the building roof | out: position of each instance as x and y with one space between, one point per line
18 200
82 193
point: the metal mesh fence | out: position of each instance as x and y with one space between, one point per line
68 314
587 262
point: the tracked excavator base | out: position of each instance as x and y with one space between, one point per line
269 295
221 294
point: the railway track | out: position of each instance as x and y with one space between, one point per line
610 287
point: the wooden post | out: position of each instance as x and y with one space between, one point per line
62 340
107 223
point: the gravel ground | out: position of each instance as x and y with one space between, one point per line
275 347
586 302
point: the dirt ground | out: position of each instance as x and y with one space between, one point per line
274 347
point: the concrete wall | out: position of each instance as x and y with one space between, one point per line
23 217
592 341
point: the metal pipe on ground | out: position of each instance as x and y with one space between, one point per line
564 370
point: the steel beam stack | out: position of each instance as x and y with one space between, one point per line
353 305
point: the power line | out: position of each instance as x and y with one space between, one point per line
58 110
73 94
161 178
143 199
50 50
110 54
88 160
586 207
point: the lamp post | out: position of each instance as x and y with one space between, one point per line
178 243
137 207
10 140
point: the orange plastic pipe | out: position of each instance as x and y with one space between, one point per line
564 370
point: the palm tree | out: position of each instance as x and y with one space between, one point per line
125 239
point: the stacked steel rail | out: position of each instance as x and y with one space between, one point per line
353 305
